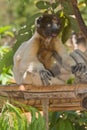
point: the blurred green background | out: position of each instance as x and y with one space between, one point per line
16 12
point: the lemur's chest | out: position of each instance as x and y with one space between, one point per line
45 53
46 45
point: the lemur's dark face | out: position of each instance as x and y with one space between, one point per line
48 25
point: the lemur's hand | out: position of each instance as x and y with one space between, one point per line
79 69
55 70
45 76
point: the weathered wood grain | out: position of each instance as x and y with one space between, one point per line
61 97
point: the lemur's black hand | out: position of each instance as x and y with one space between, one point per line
79 69
45 76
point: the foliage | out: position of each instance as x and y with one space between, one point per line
70 120
6 30
3 51
7 74
13 118
16 12
83 8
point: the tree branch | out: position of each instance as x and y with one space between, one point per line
79 18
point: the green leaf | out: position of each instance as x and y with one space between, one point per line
37 122
54 116
64 125
13 109
74 24
12 118
67 7
55 5
7 60
71 80
4 29
9 33
4 50
68 125
42 5
81 121
60 125
66 33
41 121
31 19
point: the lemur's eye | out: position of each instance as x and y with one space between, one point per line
48 25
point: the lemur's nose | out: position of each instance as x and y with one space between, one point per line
55 28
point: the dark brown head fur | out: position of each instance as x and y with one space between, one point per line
48 25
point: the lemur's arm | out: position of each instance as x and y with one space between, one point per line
68 62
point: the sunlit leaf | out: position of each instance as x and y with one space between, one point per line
3 50
12 118
5 28
9 33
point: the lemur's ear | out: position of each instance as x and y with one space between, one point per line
38 21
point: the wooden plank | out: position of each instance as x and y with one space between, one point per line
61 97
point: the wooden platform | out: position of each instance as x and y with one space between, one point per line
61 97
